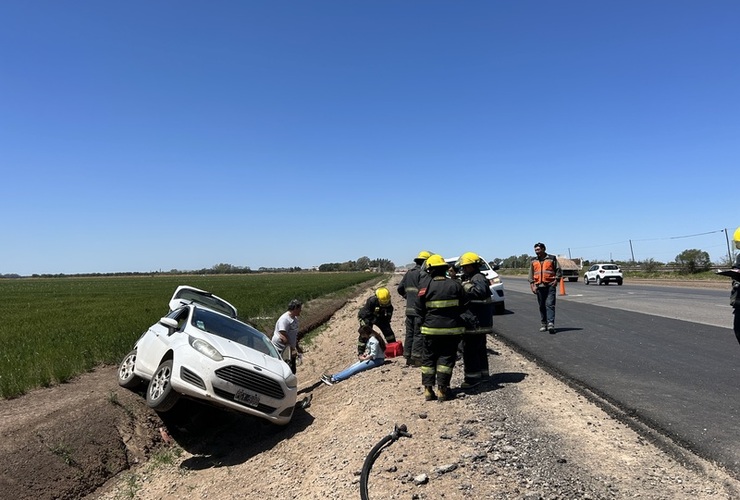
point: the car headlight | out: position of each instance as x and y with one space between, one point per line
291 381
205 349
496 281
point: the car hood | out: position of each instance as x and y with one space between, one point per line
185 294
231 349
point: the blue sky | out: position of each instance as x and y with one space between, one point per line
146 136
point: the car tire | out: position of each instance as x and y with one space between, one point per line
126 376
585 279
159 394
499 308
619 282
598 280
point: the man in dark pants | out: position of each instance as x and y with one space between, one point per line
441 303
544 276
409 290
734 302
478 317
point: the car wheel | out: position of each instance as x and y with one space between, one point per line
498 308
126 376
159 395
619 282
585 279
598 280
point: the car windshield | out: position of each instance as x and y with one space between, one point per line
233 330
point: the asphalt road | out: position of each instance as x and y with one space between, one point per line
665 356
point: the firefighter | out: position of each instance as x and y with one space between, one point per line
734 302
440 303
478 319
377 310
409 290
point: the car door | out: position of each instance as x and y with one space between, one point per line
592 272
156 341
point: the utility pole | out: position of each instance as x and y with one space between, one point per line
729 254
632 252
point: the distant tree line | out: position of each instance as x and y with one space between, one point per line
361 264
689 262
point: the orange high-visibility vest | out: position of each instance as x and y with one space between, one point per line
543 270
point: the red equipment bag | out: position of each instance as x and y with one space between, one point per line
393 349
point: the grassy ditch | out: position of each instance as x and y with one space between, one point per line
53 329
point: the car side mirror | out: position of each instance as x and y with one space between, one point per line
495 267
169 323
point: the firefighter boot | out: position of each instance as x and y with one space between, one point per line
443 393
429 393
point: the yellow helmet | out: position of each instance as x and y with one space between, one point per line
436 260
468 258
736 236
383 295
423 255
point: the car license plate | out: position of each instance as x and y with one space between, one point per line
248 398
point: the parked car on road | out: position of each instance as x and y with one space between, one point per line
494 281
603 274
202 351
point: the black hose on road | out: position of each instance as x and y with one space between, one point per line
399 431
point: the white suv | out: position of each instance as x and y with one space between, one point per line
603 274
494 282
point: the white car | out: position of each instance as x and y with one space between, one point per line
494 282
603 274
202 351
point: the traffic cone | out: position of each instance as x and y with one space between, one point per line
562 286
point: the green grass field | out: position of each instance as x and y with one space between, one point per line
55 328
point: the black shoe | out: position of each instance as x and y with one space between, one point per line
470 383
551 328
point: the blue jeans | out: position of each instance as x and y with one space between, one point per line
357 367
546 299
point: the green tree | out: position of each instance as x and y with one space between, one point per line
514 262
693 261
363 263
383 265
649 265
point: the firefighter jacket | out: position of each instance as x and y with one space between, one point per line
441 303
409 290
372 313
546 271
478 316
734 303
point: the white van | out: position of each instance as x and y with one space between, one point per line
494 281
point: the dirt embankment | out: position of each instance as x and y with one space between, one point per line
522 435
